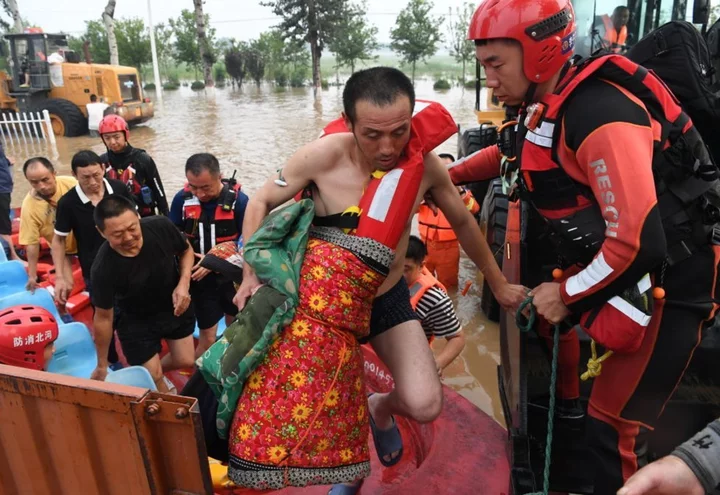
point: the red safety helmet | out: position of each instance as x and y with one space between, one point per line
544 28
25 331
113 123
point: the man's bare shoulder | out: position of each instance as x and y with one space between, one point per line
434 166
434 174
323 154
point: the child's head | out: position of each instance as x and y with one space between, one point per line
27 336
414 259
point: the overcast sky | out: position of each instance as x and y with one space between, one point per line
240 19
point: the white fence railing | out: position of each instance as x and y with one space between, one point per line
26 127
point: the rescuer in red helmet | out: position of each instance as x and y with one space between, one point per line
27 337
132 166
597 149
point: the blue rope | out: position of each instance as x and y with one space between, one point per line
525 324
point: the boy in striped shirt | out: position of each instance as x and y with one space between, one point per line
433 306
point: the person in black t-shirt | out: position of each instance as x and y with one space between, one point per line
138 270
75 214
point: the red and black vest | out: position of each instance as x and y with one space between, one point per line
128 176
204 231
685 175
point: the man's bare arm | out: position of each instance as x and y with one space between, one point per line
63 276
469 234
33 255
181 293
103 324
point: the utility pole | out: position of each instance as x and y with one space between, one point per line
156 67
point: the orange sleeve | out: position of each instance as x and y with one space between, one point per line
616 159
470 203
481 165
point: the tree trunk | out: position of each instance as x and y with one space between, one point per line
463 72
109 20
203 42
352 67
314 45
17 20
413 72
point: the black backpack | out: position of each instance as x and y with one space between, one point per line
712 36
678 55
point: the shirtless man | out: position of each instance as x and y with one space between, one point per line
378 108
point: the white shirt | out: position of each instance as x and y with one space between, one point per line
95 114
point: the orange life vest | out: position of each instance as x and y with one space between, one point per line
424 283
388 200
204 233
437 228
612 36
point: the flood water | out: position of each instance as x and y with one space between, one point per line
253 131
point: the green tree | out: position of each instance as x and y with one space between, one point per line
416 33
282 59
223 45
133 42
96 36
187 48
311 21
76 45
461 48
354 40
254 63
164 46
235 63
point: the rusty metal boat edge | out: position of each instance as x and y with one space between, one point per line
64 435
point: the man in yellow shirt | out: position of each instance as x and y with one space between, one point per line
37 219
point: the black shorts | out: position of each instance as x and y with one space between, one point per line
391 309
141 338
212 299
5 223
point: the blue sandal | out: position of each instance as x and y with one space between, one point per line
387 442
341 489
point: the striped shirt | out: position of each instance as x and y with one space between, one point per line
437 314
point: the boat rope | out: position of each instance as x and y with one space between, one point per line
525 324
594 365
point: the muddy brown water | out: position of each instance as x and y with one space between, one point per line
253 131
